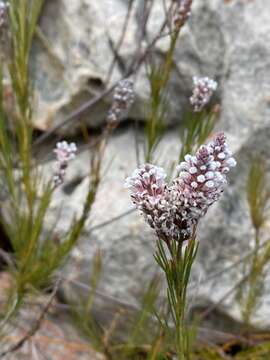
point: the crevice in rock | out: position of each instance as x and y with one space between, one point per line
95 82
69 188
5 245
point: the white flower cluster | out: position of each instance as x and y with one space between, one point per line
202 92
64 153
183 12
173 210
123 98
202 177
149 192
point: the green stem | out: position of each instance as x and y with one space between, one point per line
177 267
249 305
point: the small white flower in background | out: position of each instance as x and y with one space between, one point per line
123 98
173 210
64 153
202 92
183 12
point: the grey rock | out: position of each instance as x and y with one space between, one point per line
226 41
127 243
56 338
227 235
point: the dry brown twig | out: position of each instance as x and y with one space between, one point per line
121 40
36 325
229 267
211 308
138 60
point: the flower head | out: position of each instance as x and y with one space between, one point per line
147 182
182 13
150 195
123 98
173 210
64 153
202 177
202 92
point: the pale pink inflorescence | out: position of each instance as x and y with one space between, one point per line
183 12
202 177
64 153
202 92
150 194
123 98
173 210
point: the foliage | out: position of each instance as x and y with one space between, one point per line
258 196
129 331
177 267
195 130
158 77
28 192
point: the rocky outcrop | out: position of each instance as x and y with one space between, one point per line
225 40
127 243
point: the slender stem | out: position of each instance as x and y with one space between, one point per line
177 264
249 304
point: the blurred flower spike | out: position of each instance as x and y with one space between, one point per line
183 13
202 92
123 99
64 153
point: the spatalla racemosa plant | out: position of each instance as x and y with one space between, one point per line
174 210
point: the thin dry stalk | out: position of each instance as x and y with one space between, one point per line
35 327
120 41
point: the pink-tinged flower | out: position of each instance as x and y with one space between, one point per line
147 182
202 92
123 98
150 194
173 210
64 153
202 177
183 12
